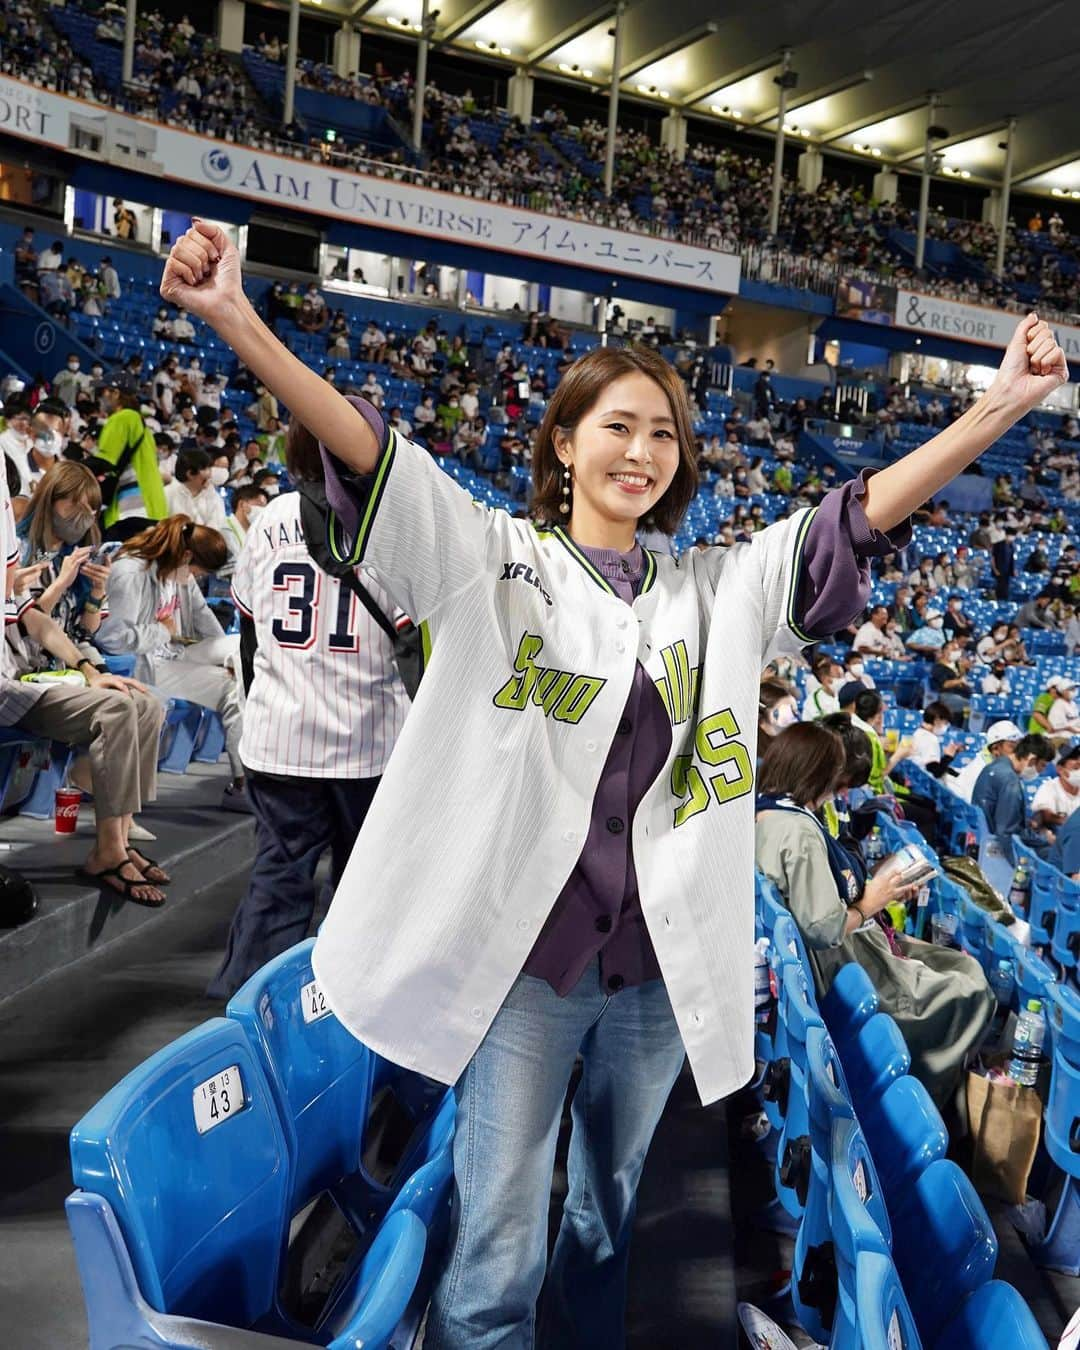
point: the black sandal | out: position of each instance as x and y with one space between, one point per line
127 886
151 866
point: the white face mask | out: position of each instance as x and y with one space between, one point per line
782 715
856 668
941 730
936 623
271 490
219 475
49 443
1029 773
1073 778
253 516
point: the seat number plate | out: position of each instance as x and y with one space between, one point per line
858 1178
313 1002
218 1099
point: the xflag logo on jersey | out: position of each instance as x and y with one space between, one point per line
513 571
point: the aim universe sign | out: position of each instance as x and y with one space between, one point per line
935 317
167 152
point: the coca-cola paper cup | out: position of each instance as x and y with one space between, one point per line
67 809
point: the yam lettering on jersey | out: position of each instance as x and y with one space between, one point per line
562 694
283 533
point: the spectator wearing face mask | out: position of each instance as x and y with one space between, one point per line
70 381
183 330
60 529
928 746
949 678
1058 797
266 480
777 708
1003 561
855 669
16 443
999 794
929 639
249 502
995 681
192 492
161 327
158 615
990 648
957 624
822 698
264 410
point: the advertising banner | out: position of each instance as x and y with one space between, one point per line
279 181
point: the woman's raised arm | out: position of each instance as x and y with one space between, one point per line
1033 367
203 275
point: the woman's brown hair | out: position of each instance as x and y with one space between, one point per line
302 457
576 393
63 481
166 543
804 762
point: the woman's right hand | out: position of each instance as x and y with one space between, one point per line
885 888
203 273
69 568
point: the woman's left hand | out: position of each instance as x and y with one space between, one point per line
1033 367
98 576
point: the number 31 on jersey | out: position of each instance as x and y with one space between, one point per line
311 598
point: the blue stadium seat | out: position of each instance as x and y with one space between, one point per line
1060 1249
1065 943
210 739
994 1317
813 1284
324 1081
944 1245
860 1223
874 1058
883 1316
906 1134
182 722
180 1218
799 1014
851 1001
40 802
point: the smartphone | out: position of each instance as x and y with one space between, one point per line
104 552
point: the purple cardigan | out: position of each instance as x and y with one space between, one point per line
598 913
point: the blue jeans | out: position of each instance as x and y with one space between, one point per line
509 1103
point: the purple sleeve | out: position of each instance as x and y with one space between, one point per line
346 491
834 580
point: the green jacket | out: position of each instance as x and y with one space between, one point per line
123 430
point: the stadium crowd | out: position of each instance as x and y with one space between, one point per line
716 197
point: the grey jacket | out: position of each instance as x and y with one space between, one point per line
132 627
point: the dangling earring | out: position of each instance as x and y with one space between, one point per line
564 507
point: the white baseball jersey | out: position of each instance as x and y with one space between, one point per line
326 700
486 803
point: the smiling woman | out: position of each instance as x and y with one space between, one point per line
559 859
618 433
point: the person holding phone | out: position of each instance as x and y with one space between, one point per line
939 998
60 530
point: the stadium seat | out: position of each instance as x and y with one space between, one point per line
860 1223
972 929
210 740
1065 943
182 722
851 1001
799 1014
1060 1249
943 1243
40 801
994 1317
906 1134
180 1218
874 1058
325 1082
882 1313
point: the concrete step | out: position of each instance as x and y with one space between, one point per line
199 845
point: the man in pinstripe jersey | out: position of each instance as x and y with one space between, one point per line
324 708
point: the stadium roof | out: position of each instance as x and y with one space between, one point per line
865 70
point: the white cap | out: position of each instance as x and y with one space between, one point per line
1003 731
933 614
1060 683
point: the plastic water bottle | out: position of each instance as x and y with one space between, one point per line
1027 1044
1020 890
971 844
875 846
1003 982
763 995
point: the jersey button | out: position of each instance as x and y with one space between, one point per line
620 646
615 825
625 565
615 983
625 726
604 924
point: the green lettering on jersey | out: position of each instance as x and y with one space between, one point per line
560 693
715 747
678 686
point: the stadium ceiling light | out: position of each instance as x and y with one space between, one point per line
563 67
1074 193
505 51
664 93
587 74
